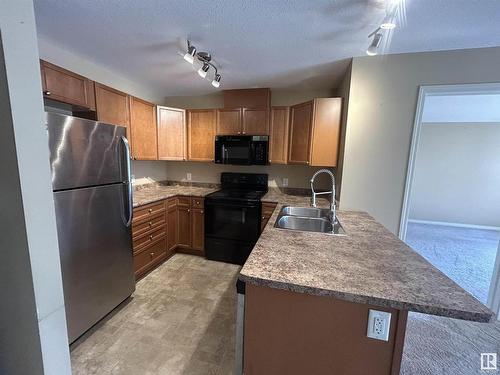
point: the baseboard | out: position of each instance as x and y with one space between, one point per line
459 225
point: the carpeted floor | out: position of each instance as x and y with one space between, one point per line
443 346
465 255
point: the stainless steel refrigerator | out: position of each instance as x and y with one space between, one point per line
90 164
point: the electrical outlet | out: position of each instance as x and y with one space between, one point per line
379 324
285 182
189 176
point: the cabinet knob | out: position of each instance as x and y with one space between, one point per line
151 237
189 210
197 202
152 254
201 211
307 162
150 210
244 132
263 217
239 132
47 92
150 223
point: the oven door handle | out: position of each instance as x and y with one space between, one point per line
225 204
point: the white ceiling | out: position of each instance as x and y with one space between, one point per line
282 44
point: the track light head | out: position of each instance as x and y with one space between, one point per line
203 70
216 81
191 52
373 48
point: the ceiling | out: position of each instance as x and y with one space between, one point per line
282 44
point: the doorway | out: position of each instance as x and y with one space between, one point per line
451 208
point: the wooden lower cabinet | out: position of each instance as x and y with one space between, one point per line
198 230
267 212
159 229
184 225
172 224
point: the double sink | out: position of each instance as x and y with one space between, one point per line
309 219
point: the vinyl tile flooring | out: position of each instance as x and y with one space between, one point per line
180 320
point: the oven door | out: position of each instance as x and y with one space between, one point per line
231 220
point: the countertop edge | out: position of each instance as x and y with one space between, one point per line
369 300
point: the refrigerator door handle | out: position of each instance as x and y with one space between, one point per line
128 182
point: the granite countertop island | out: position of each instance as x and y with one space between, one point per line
368 265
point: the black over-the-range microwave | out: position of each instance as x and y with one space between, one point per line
241 149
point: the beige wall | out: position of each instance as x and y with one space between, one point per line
457 174
382 103
298 176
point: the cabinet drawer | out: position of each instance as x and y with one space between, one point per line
197 202
171 202
138 229
184 201
144 213
146 259
143 241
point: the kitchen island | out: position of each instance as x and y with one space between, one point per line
308 295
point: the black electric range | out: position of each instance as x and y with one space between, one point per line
233 217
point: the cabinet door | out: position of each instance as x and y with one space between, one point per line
278 143
255 121
229 121
143 130
197 229
300 133
67 87
171 133
112 106
184 226
172 235
326 132
201 134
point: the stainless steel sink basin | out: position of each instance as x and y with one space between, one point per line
308 219
306 212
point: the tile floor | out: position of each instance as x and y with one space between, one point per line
180 320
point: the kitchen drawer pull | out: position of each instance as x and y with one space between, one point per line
152 254
201 211
47 92
151 237
150 210
150 223
189 210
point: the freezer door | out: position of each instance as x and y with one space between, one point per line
96 253
83 152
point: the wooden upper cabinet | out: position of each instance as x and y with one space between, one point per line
143 129
278 142
112 105
171 133
201 134
325 136
255 121
300 133
229 121
67 87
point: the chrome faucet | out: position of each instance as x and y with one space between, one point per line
333 208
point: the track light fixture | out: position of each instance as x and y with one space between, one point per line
191 52
373 48
216 81
203 70
205 58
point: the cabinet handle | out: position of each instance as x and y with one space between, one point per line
150 210
307 162
263 217
150 224
47 93
197 202
239 132
189 210
151 237
201 211
152 254
244 133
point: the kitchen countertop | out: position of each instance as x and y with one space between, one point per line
369 265
155 193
